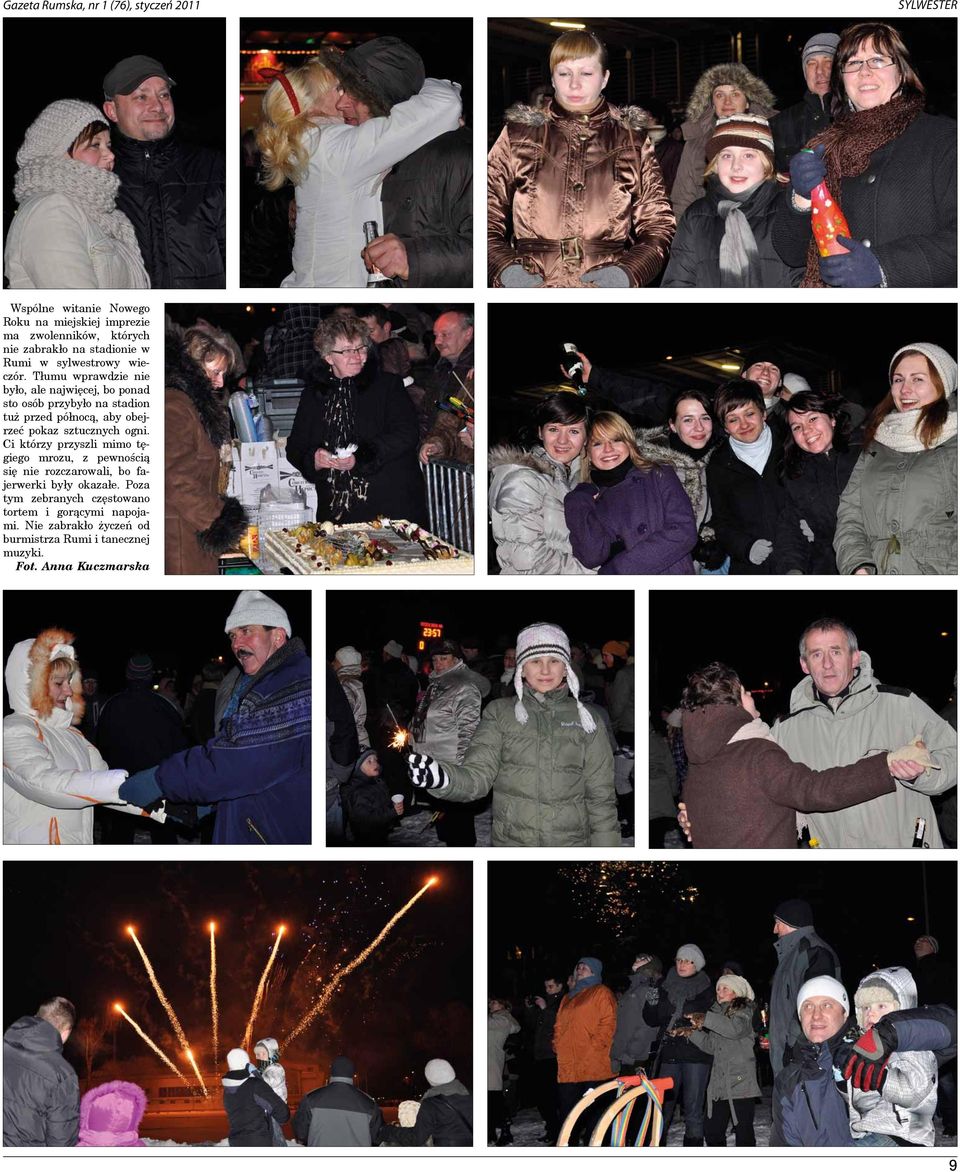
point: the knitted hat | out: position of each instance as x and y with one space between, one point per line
615 647
238 1060
393 648
540 639
938 358
348 657
795 913
820 45
253 606
439 1071
127 74
52 132
691 952
795 384
740 986
874 988
742 130
757 354
342 1068
823 987
593 963
931 940
446 647
386 70
139 667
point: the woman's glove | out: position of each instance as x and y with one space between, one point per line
806 530
607 277
807 169
141 789
426 772
517 277
101 785
917 752
856 269
760 551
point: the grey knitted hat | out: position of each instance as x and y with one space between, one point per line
944 363
348 656
52 132
540 639
819 45
692 953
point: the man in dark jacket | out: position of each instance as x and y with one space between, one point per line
428 196
171 191
250 1104
794 127
338 1115
445 1115
440 430
801 956
544 1014
41 1094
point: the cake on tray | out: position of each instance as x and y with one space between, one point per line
369 547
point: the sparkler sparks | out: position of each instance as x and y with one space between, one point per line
248 1033
400 739
174 1020
214 1005
151 1043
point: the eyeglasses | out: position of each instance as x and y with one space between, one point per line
357 350
872 63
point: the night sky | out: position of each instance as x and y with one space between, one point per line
180 629
366 621
758 635
545 916
409 1002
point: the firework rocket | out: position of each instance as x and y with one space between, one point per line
150 1042
214 1006
174 1020
261 987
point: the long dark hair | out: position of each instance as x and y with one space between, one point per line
887 40
803 403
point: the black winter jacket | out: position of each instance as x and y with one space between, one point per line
173 194
41 1094
445 1115
660 1013
746 506
813 496
428 203
695 252
250 1103
338 1116
794 127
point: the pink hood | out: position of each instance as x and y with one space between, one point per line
110 1115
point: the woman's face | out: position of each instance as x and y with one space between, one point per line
563 442
911 385
812 431
216 371
870 87
347 358
744 423
579 83
96 153
607 453
544 673
729 100
692 423
725 994
59 689
685 968
739 168
494 1006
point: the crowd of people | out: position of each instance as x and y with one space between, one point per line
583 193
43 1107
851 1065
544 725
228 763
763 476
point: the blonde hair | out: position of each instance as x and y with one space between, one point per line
280 131
768 168
571 46
62 668
608 425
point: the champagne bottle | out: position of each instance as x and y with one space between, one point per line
376 279
572 366
919 832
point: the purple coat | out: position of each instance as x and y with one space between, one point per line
643 525
110 1115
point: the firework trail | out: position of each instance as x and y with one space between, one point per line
150 1042
358 960
196 1071
174 1021
260 989
214 1006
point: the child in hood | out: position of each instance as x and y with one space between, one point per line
110 1116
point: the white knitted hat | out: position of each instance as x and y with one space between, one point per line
238 1060
541 639
348 657
253 606
945 364
439 1071
55 128
740 986
823 987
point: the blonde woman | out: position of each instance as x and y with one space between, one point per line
337 169
630 515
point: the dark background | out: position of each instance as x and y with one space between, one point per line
910 635
180 629
409 1002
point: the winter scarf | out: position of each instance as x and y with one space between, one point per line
898 430
677 445
739 258
851 142
608 477
596 973
756 454
682 989
339 430
95 191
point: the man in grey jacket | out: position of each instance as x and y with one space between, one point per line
839 713
338 1115
41 1094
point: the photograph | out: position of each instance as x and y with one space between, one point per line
722 152
663 1004
758 442
198 722
449 724
833 726
293 1004
356 159
319 439
118 182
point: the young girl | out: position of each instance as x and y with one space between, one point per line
630 516
266 1054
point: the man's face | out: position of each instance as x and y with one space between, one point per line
817 73
821 1018
145 115
352 109
378 332
829 661
89 686
552 987
451 336
780 928
922 948
253 645
766 374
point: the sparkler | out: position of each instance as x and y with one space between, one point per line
214 1006
358 960
261 987
196 1070
174 1020
400 738
150 1042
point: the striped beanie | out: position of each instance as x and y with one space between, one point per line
742 130
541 639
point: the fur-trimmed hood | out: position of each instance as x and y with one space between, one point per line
630 117
27 675
759 94
536 459
110 1114
183 374
653 443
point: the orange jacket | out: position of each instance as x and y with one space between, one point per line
583 1035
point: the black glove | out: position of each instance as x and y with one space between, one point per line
426 772
867 1065
807 169
709 553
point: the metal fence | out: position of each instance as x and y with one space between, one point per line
450 502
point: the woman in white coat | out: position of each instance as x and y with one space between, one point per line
67 232
338 169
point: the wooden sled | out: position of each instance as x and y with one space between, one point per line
616 1117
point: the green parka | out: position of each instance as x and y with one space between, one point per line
728 1034
552 782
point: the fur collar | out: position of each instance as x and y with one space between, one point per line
629 117
183 374
758 93
38 676
507 455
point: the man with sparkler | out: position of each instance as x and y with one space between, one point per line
257 768
41 1093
